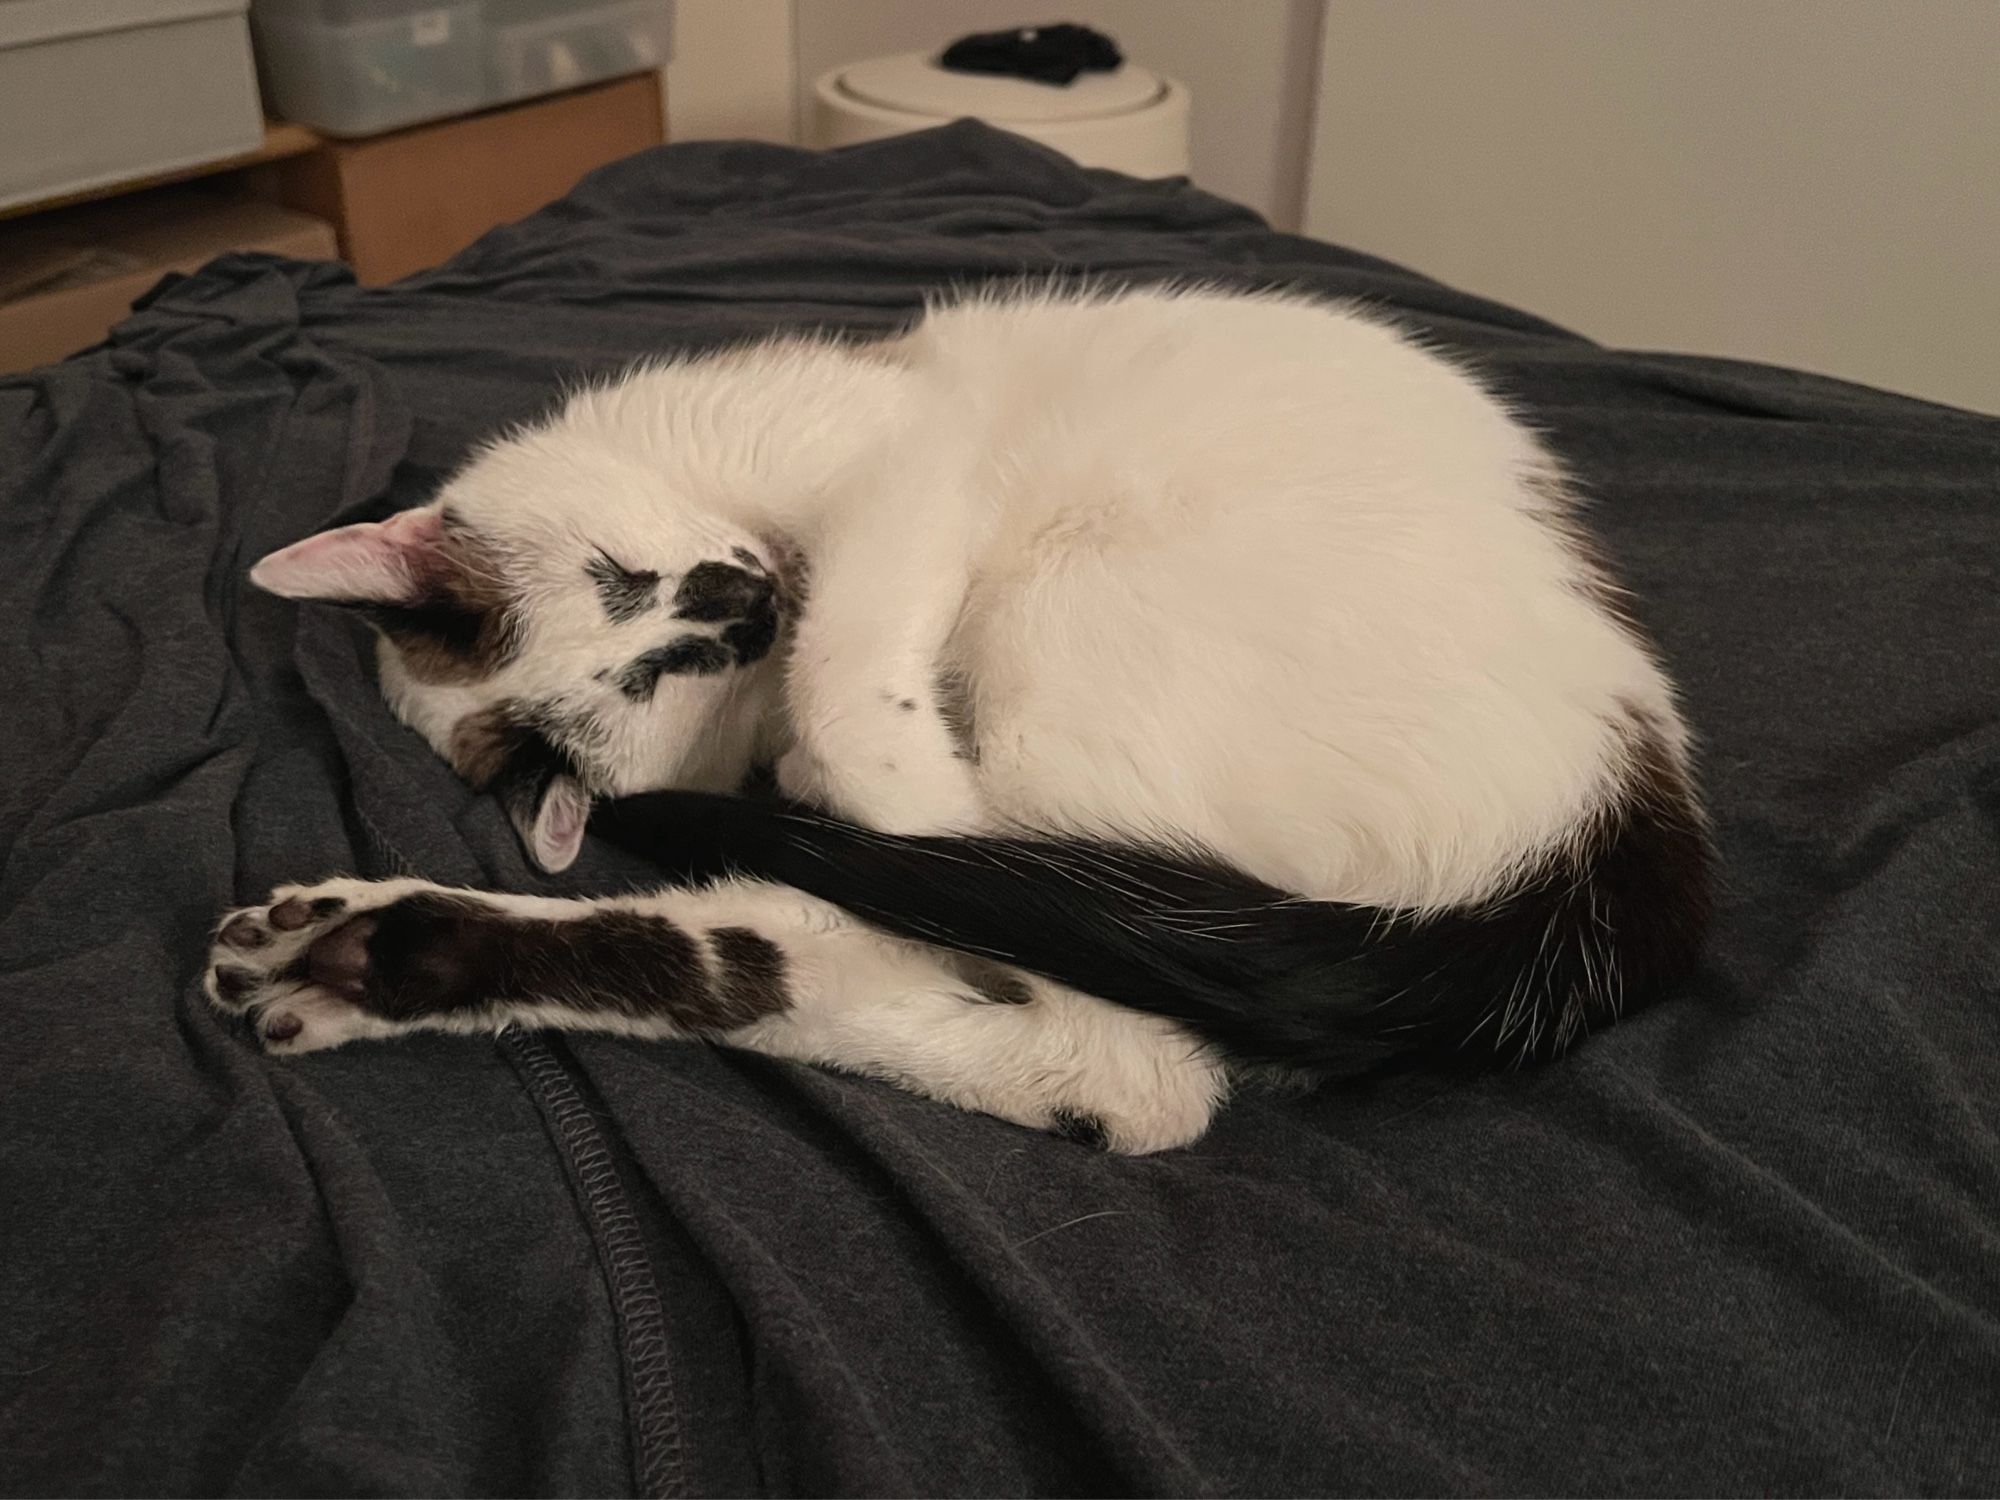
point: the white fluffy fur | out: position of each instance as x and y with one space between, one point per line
1256 572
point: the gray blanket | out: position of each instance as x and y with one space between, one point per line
1749 1241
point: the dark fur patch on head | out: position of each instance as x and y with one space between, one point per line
434 953
480 744
507 742
747 598
464 622
516 750
751 640
684 656
714 591
626 593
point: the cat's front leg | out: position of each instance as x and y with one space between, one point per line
871 742
892 766
746 964
348 960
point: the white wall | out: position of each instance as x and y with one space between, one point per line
733 71
1248 63
1809 182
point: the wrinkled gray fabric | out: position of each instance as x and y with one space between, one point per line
1749 1241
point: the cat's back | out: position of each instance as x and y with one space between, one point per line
1291 575
1175 379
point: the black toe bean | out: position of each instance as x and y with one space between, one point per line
244 931
339 960
295 912
234 985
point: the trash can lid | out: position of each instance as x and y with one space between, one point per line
915 83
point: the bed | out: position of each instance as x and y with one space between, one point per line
1749 1241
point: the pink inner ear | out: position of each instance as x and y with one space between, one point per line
375 562
558 831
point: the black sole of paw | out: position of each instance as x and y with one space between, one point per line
295 912
339 960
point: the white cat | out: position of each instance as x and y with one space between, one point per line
1246 651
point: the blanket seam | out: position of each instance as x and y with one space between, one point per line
659 1458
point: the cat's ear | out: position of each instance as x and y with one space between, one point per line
374 562
551 822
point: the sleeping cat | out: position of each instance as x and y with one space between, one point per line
1186 680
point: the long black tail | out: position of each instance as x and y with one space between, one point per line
1267 978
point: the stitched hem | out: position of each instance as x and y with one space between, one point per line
659 1459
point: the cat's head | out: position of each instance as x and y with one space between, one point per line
559 629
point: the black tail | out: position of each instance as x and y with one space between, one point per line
1267 978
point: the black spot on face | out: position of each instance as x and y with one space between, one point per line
907 705
751 640
626 593
686 656
713 591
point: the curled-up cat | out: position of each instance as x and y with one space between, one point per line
1189 681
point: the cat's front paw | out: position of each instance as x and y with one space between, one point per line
918 795
800 778
294 967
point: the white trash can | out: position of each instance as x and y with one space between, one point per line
1130 119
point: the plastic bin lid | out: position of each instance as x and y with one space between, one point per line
23 23
914 83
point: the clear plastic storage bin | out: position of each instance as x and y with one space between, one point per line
358 67
536 46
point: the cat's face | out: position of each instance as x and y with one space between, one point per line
559 629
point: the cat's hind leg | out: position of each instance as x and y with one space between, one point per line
749 965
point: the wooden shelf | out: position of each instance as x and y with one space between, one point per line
281 140
406 200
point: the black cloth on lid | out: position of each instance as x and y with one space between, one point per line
1057 54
